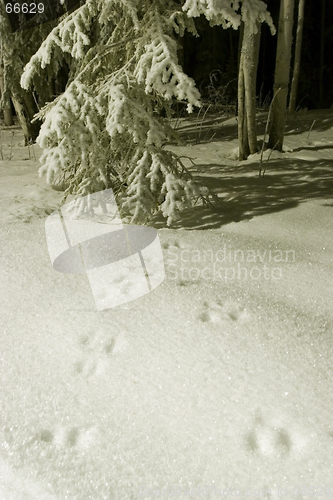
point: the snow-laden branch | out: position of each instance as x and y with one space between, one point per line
157 65
70 36
229 13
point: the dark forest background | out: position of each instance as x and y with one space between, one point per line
212 58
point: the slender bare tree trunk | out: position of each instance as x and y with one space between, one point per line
247 133
250 62
7 112
243 153
297 62
282 74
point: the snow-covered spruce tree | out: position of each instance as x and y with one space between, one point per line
106 129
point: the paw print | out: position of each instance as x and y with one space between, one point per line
219 312
98 350
276 438
66 436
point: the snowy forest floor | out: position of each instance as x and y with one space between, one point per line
218 383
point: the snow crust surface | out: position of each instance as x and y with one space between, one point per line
216 384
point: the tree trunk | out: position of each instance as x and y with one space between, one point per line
242 126
7 111
297 62
250 64
30 130
7 115
247 134
282 75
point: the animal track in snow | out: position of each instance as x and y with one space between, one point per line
98 351
218 312
272 438
168 245
269 441
67 436
46 436
185 282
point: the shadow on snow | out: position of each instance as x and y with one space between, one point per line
202 129
286 184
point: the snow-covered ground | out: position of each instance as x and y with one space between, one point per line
216 384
